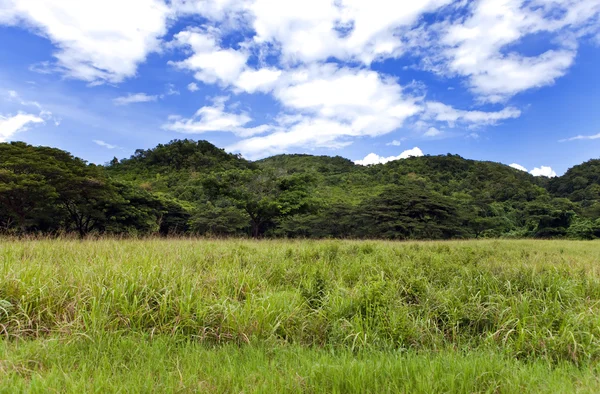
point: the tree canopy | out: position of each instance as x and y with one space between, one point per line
193 187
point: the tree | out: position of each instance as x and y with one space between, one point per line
87 201
409 211
220 219
193 186
550 218
261 195
24 196
35 179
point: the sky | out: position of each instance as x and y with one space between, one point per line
511 81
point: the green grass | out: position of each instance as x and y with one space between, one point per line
299 316
134 364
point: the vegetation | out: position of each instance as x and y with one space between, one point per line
166 315
80 311
188 187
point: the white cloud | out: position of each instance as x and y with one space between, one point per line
332 103
134 98
262 80
226 66
325 106
444 113
394 143
307 132
582 137
14 96
362 100
105 144
343 92
315 30
478 47
543 171
215 118
97 41
171 91
10 125
44 114
518 167
314 58
432 132
473 39
215 10
210 62
373 158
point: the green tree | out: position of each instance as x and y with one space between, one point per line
220 219
410 211
25 197
261 194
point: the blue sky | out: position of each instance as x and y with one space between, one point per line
513 81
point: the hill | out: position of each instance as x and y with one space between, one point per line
194 187
579 183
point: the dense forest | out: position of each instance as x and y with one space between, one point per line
192 187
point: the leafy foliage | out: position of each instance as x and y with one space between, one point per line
194 187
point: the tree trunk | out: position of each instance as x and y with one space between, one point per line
22 225
255 229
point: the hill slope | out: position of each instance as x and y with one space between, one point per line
198 188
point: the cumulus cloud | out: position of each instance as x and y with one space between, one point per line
451 116
373 158
349 30
215 10
331 103
478 47
432 132
305 132
262 80
368 103
97 41
215 118
210 62
315 57
518 167
471 39
134 98
328 106
541 171
13 124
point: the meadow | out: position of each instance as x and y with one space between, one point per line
188 315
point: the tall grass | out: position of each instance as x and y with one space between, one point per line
530 308
163 365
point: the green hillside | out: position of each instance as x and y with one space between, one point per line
193 187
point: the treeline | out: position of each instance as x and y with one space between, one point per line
189 187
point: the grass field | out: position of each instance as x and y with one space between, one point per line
299 316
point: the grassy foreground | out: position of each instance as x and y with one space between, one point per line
299 316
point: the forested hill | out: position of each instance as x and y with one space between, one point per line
189 187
